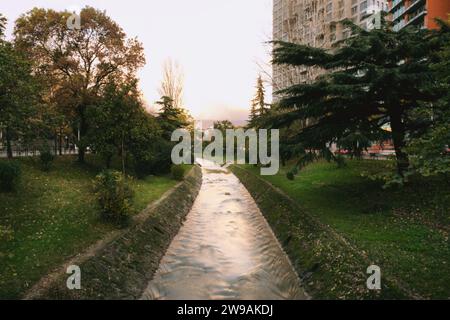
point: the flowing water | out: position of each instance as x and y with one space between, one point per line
224 250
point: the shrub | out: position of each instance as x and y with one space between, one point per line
46 158
177 172
114 197
9 175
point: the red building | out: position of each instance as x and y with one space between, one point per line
421 13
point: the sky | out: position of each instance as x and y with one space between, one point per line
220 45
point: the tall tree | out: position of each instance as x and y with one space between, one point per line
172 85
77 63
259 106
431 147
375 78
18 93
171 117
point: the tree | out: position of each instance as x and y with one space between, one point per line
430 149
111 120
18 93
223 126
259 106
171 117
77 64
374 79
173 83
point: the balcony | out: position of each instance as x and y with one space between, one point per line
395 3
414 6
417 17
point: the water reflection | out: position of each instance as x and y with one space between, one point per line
225 249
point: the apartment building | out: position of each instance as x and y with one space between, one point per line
420 13
314 23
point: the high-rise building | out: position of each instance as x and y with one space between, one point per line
421 13
314 23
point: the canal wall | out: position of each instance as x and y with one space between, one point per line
329 266
121 266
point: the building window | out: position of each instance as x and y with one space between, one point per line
363 6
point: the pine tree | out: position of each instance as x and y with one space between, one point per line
375 78
259 107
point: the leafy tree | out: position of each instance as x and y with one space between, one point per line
76 65
374 79
18 94
112 119
430 149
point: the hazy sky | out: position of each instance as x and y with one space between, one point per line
219 44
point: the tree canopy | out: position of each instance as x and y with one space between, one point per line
76 64
375 78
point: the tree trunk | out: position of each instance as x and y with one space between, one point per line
56 143
398 137
9 151
60 142
123 157
82 133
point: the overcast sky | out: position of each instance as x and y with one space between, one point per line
219 44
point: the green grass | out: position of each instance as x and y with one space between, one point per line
404 231
53 216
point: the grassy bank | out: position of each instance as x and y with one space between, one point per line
53 216
122 268
404 231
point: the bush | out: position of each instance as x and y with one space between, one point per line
9 176
177 172
46 158
114 197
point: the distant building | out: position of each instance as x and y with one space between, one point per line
421 13
313 22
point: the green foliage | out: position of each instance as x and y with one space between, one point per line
114 196
430 147
373 79
171 117
10 173
177 172
46 157
259 107
355 143
75 66
18 93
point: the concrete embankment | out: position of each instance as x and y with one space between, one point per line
329 266
120 266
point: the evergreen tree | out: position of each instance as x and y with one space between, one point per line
259 106
374 79
171 117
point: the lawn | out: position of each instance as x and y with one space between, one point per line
404 231
53 216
